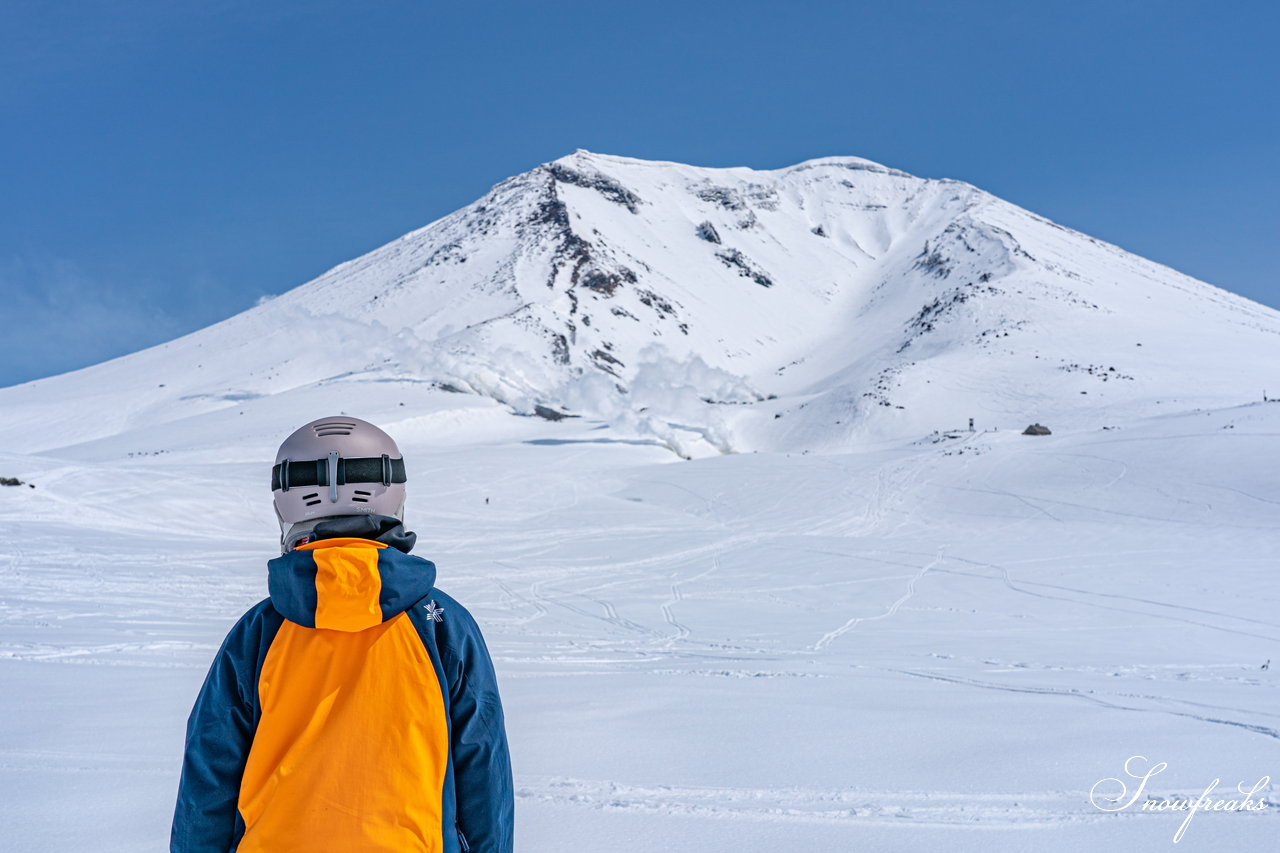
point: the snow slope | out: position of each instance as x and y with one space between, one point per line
813 307
883 634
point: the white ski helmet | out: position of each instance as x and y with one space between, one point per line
337 466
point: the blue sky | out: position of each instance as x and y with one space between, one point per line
164 165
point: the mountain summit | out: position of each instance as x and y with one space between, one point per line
813 307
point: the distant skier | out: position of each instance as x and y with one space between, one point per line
356 709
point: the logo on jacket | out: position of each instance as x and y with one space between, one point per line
434 613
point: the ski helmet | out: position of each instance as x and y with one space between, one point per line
337 466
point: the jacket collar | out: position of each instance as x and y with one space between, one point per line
347 583
386 529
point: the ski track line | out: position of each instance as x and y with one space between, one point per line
47 761
539 610
1022 499
846 807
1074 693
1012 586
878 506
831 636
682 631
1121 596
708 504
1239 492
1116 512
663 560
1124 467
1094 671
610 616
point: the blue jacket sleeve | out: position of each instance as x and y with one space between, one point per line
219 733
481 759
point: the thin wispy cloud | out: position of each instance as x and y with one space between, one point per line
60 318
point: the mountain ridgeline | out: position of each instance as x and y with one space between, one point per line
718 310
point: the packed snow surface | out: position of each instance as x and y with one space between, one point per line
765 589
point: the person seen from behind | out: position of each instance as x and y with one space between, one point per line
356 708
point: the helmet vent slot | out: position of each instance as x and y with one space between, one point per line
313 503
334 428
360 492
358 500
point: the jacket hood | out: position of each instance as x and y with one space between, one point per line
347 584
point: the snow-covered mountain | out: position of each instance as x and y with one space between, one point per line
814 307
906 641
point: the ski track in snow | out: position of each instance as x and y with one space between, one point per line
848 807
1088 696
1082 601
831 636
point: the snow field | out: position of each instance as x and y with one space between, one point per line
907 648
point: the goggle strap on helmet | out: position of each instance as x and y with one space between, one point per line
294 473
331 472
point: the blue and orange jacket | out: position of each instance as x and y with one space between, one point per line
356 709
